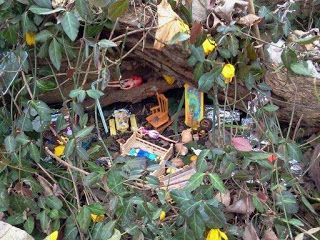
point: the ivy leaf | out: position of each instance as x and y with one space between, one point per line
288 57
70 25
233 45
55 53
83 9
91 179
302 68
10 144
46 85
105 43
270 108
287 202
97 208
34 152
70 147
84 219
201 163
197 225
180 196
53 202
29 225
197 53
216 216
116 235
44 11
195 181
95 94
206 82
217 183
43 36
117 9
184 233
84 132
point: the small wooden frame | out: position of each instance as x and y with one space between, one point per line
136 141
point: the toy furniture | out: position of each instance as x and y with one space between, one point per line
159 117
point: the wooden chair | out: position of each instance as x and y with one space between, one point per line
159 114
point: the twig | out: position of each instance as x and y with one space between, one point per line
68 165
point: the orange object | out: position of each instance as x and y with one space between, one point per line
159 114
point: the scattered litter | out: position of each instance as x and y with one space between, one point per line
295 167
154 134
123 119
225 116
137 152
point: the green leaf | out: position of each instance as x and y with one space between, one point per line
117 9
302 68
44 11
10 34
71 230
184 233
115 182
233 45
180 196
270 108
22 139
294 151
258 204
197 225
10 144
43 36
179 37
69 149
4 198
217 183
29 225
206 82
288 57
83 9
153 181
105 43
308 205
201 163
15 219
82 153
70 25
216 216
61 123
307 40
195 181
97 208
92 179
95 94
198 71
116 235
84 219
55 53
197 53
107 230
46 85
34 152
287 202
84 132
53 202
44 220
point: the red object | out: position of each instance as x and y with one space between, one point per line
127 83
272 158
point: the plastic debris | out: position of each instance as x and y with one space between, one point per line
295 167
225 116
137 152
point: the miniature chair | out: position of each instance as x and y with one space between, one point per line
159 114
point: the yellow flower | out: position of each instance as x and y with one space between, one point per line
183 27
30 38
169 79
216 234
208 46
59 150
228 72
52 236
171 170
193 158
97 218
162 215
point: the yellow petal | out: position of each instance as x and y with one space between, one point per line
162 215
213 235
208 46
59 150
97 218
228 71
30 38
223 235
52 236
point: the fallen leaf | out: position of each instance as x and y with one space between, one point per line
169 24
224 198
46 186
195 32
315 166
242 206
241 144
199 10
310 231
262 196
250 233
225 11
249 20
269 235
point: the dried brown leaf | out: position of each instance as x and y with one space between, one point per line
249 20
224 198
250 233
225 11
195 32
242 206
241 144
168 24
269 234
46 186
315 166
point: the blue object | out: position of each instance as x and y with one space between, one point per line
137 152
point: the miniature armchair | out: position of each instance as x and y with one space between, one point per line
159 114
